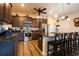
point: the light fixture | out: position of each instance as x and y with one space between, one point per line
55 15
62 17
55 10
68 18
22 5
50 12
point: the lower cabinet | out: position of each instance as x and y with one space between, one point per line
20 36
37 39
7 48
40 44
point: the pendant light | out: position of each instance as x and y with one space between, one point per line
68 18
55 15
63 17
56 12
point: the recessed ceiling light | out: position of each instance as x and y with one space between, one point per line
50 12
22 5
55 15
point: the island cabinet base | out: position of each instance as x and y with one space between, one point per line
44 51
35 43
37 36
45 44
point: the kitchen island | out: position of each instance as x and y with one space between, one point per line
8 44
46 39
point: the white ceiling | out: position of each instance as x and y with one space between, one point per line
56 8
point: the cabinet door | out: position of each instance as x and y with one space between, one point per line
5 12
8 16
40 43
15 21
21 22
35 23
9 13
1 10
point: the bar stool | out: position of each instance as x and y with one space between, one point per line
59 44
65 43
56 45
52 50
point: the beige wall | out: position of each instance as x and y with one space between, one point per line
65 25
51 25
68 25
51 20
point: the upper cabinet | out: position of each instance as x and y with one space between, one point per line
1 10
17 21
8 10
5 12
35 23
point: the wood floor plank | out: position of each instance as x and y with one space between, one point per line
27 49
34 51
20 49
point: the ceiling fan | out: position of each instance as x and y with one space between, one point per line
40 10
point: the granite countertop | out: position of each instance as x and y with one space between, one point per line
7 37
49 38
13 35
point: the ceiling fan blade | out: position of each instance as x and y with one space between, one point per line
34 12
43 9
44 12
39 10
36 9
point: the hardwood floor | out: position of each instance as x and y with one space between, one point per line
27 49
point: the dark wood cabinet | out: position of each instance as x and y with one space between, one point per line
37 37
1 10
5 12
40 44
17 21
35 23
8 10
21 22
